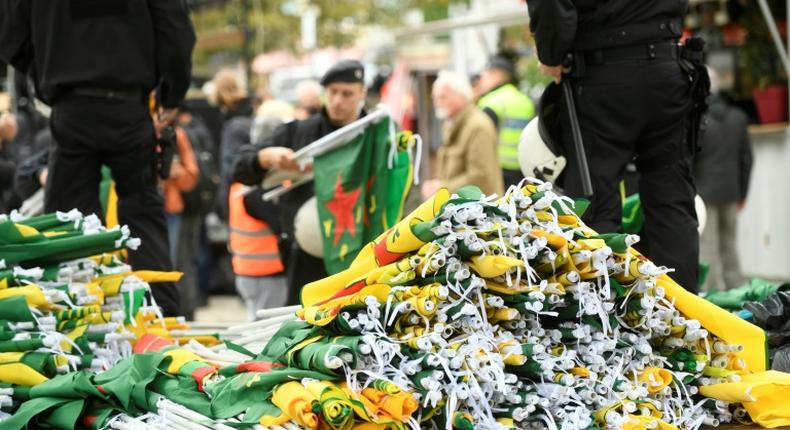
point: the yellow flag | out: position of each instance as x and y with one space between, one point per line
20 374
764 395
297 402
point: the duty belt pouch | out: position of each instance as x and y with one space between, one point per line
692 62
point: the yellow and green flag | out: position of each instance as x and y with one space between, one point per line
360 189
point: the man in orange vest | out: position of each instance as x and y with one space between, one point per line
255 254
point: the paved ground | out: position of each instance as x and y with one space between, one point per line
222 309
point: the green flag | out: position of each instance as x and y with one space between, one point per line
360 189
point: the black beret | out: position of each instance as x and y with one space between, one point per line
344 71
501 63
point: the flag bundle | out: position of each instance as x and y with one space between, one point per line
510 312
471 312
67 302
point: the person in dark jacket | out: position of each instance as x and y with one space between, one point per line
345 95
722 170
31 173
236 112
8 131
633 99
96 63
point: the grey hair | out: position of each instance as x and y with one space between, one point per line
309 86
457 82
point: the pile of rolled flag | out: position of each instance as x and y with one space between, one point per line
509 312
67 301
473 312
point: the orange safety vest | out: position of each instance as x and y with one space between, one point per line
252 243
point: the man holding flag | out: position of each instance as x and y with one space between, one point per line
345 93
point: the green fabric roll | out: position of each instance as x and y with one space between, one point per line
289 334
756 290
15 309
317 356
235 395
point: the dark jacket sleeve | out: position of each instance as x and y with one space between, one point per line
235 136
6 173
554 23
26 181
246 169
16 47
746 160
175 38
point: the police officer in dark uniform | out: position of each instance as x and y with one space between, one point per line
344 90
96 63
634 97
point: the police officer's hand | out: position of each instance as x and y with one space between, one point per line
164 118
278 157
42 176
553 71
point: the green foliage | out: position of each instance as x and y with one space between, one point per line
275 24
758 62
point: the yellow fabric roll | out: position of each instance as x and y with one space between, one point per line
721 323
324 314
149 276
399 406
656 379
554 241
643 422
491 266
10 357
32 294
398 239
67 346
297 403
20 374
764 395
111 214
336 407
110 286
180 357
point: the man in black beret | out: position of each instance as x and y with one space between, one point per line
344 94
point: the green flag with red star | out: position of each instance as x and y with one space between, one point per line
360 189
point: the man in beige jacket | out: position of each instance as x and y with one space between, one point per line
468 152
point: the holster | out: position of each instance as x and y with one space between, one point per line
693 63
166 148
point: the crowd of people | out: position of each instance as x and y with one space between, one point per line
121 121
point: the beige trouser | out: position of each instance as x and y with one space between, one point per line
717 248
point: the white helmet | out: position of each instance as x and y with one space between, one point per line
702 214
537 158
307 229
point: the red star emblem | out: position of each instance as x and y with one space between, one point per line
342 208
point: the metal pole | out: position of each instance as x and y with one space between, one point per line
246 53
578 143
769 21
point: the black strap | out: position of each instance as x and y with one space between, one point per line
137 96
641 52
629 35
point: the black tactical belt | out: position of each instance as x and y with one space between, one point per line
641 53
111 94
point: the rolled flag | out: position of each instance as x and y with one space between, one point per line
389 247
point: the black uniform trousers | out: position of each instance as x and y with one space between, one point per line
301 269
90 132
639 109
